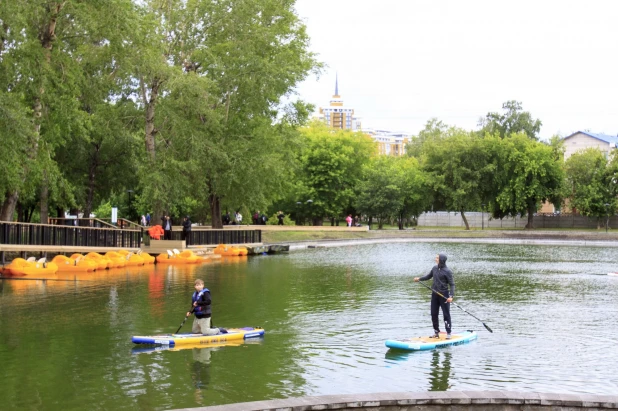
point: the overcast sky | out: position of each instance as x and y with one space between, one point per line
402 62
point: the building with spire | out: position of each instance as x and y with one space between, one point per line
339 116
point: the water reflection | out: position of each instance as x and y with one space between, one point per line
440 370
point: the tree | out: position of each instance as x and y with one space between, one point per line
591 183
513 120
529 173
46 49
380 191
434 130
331 165
211 88
455 167
393 187
417 195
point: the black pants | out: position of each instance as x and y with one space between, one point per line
438 302
186 236
167 234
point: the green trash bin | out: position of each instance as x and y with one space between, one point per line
146 239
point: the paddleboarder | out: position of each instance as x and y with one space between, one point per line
444 284
202 310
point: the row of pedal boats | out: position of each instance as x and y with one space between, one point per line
112 259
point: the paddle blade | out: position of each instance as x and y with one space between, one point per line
488 329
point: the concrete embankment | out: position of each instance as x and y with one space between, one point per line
572 242
431 401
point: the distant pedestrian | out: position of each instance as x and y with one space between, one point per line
280 217
238 218
186 231
256 218
263 219
143 220
148 219
348 220
167 228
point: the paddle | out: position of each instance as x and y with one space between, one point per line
458 306
185 320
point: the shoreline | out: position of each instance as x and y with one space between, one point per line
320 239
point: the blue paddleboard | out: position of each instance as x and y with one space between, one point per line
430 343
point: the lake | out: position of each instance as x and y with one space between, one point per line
65 342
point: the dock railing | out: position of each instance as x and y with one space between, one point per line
12 233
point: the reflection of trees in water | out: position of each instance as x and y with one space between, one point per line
440 370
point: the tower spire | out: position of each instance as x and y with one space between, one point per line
336 84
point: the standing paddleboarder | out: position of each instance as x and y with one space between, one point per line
442 282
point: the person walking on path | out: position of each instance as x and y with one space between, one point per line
280 217
444 284
186 231
148 219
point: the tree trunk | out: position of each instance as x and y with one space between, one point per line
531 211
215 211
401 221
149 103
45 202
8 208
465 220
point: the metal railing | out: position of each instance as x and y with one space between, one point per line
63 235
213 237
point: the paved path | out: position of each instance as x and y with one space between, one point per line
431 400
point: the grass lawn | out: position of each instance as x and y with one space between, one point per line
438 232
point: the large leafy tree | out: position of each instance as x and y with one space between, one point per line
380 191
591 183
393 187
455 166
512 120
211 87
46 48
528 173
331 164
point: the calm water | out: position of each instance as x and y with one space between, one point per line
67 344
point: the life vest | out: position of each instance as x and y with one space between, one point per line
201 311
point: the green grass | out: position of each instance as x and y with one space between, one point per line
438 232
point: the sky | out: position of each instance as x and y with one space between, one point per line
403 62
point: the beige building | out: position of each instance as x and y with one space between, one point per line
389 143
579 141
339 116
583 140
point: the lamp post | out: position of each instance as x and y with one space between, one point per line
607 214
482 216
309 203
298 220
130 213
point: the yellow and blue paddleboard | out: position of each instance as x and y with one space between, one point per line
233 334
430 343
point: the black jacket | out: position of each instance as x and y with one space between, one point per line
186 225
442 278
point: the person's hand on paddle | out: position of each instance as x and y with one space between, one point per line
188 313
416 279
449 300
